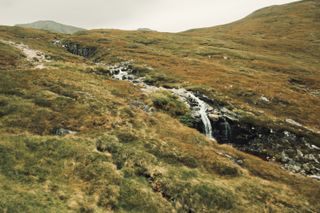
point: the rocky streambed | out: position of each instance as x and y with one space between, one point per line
294 152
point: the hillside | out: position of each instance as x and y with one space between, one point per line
112 121
52 27
293 27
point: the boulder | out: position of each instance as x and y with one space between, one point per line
213 117
62 132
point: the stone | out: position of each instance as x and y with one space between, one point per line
286 133
284 157
240 162
264 99
299 153
311 157
306 167
296 168
62 132
315 147
294 123
315 177
213 117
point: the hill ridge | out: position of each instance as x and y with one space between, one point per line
52 26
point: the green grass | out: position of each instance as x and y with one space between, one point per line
169 103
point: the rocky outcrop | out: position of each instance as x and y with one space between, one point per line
294 151
79 49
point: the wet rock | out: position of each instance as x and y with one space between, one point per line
224 130
311 157
299 154
284 157
306 167
214 117
293 151
229 114
293 167
78 49
294 123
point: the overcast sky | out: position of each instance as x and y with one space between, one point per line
161 15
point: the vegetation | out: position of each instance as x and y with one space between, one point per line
169 103
123 158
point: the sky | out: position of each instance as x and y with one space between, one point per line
160 15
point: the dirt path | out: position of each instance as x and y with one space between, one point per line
35 57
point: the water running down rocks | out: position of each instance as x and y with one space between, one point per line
245 137
198 107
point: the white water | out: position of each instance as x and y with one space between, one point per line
201 108
198 106
120 74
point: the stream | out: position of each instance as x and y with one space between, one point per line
198 107
292 151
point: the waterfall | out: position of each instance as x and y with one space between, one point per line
198 106
204 117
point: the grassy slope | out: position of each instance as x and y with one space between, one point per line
287 38
266 56
140 154
124 159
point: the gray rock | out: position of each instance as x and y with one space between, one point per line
62 132
296 168
306 167
240 162
284 157
264 99
311 157
299 153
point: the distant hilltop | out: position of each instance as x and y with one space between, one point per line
146 30
52 27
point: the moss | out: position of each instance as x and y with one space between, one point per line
126 137
169 103
139 70
42 102
103 142
160 79
187 120
226 170
134 197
